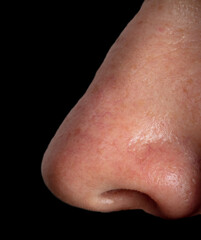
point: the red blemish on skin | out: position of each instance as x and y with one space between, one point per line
140 22
161 29
160 7
76 132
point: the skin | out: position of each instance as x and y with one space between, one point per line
133 141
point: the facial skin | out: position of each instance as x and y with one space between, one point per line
133 141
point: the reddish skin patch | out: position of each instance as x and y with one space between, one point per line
161 29
140 22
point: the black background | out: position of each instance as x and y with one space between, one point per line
63 46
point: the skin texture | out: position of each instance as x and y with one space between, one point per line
133 141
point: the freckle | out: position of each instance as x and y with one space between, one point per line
140 22
76 132
190 81
95 90
185 90
180 30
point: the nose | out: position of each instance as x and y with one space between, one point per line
100 169
129 143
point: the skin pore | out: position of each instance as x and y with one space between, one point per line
133 141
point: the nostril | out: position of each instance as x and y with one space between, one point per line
125 199
120 193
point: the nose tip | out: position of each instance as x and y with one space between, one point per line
164 185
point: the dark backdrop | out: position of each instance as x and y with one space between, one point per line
67 42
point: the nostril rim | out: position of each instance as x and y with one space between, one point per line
119 193
125 199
